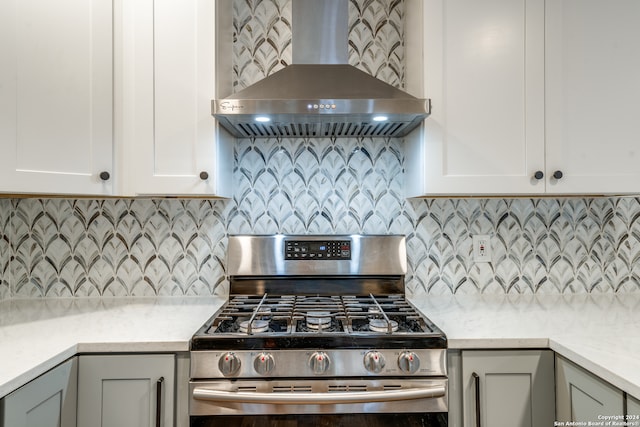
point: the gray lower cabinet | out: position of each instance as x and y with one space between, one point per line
47 401
581 396
123 390
508 388
633 406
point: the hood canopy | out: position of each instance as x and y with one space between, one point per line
325 99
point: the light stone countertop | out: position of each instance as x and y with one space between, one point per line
601 333
38 334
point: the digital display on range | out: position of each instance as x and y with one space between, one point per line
317 250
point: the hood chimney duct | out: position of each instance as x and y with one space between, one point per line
314 41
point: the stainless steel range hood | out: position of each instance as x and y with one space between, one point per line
320 95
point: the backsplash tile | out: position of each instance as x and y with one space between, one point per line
5 249
376 39
313 186
139 247
261 39
539 245
113 247
82 248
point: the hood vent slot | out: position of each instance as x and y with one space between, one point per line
320 130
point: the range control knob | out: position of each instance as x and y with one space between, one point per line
408 362
319 362
374 362
264 363
229 364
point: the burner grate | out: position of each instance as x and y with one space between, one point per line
305 314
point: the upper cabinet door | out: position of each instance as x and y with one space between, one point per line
592 92
484 72
56 96
171 143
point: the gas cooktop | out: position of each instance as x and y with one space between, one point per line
300 321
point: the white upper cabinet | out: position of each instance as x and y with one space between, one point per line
167 73
111 97
523 91
56 96
483 70
592 92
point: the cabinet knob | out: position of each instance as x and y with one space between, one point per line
104 175
204 176
557 174
538 175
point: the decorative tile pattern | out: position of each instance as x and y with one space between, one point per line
5 249
311 186
261 40
552 246
117 247
376 38
177 247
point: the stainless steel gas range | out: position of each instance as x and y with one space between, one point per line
317 331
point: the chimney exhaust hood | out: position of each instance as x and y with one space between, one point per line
320 95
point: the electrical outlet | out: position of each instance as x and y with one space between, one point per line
481 248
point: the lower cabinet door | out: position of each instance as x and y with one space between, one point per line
581 396
508 388
126 390
47 401
633 408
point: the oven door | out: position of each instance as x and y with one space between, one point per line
339 402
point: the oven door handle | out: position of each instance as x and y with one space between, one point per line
331 398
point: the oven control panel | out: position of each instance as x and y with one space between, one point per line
295 250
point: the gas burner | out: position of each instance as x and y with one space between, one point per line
257 326
262 312
316 299
373 310
318 320
382 326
